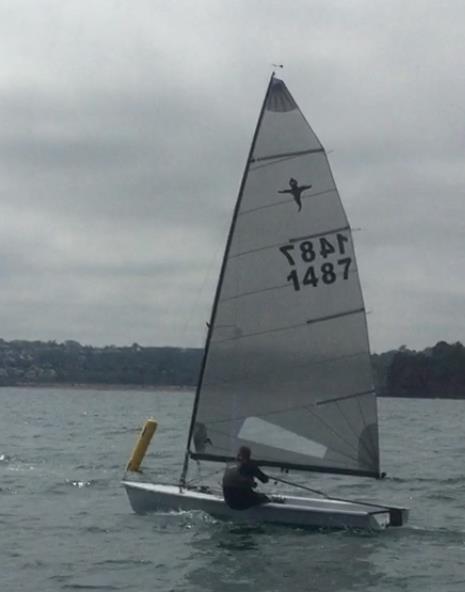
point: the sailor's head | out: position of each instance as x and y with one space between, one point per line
243 454
293 182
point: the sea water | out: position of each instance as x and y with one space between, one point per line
66 524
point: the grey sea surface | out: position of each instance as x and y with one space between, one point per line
66 523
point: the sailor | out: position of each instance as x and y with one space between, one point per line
239 482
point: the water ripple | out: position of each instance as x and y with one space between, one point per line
66 523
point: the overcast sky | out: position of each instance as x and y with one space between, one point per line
124 129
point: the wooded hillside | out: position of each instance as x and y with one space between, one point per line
438 371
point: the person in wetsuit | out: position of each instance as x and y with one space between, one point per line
239 482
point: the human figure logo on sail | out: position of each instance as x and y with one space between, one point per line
296 191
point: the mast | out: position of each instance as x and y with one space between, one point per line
185 467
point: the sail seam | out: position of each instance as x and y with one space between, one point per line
284 154
269 289
317 234
260 333
345 397
291 240
307 364
267 414
290 327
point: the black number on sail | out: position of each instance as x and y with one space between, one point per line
286 251
310 278
307 252
341 239
328 275
346 263
327 271
326 248
294 278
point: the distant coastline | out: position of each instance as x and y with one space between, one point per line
435 372
182 390
103 387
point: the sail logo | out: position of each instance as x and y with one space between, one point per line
296 191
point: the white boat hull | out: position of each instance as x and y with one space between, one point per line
293 511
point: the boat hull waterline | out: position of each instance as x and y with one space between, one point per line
291 510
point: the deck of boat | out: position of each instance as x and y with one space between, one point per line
291 510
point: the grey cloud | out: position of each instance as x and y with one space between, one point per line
124 133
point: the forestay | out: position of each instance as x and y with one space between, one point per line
287 368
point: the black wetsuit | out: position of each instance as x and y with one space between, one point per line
238 484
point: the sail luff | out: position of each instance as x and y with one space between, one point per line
220 280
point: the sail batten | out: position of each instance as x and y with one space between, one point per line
285 154
287 327
318 234
260 333
351 396
311 365
255 292
337 315
291 240
287 368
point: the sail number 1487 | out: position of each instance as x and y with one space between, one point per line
312 251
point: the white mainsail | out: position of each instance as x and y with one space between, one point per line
287 366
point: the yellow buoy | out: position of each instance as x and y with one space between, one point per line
141 445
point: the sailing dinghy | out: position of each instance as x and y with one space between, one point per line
286 368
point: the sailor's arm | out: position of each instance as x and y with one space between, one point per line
260 475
